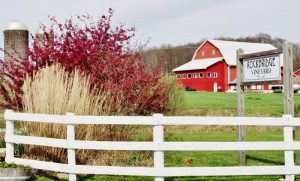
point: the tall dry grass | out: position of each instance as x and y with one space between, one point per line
52 90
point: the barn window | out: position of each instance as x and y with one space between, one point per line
215 75
203 53
201 75
213 52
183 76
189 76
178 76
208 75
195 75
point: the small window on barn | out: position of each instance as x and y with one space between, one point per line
201 75
203 53
215 75
189 76
184 76
208 75
195 75
213 52
178 76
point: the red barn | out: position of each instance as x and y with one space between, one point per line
297 73
213 66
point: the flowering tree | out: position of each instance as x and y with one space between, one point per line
98 50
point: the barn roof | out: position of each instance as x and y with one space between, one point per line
198 64
228 48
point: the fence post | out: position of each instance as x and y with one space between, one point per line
71 151
288 155
288 102
158 138
9 133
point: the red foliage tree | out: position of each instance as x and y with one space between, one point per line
98 50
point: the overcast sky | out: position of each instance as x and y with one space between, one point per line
169 21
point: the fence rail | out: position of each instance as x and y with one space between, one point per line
158 145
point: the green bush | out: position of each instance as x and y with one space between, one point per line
2 143
12 165
176 95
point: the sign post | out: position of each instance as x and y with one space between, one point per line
288 79
259 68
289 156
240 104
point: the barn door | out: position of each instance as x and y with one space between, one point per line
215 87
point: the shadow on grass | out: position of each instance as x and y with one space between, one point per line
263 160
44 178
85 177
226 178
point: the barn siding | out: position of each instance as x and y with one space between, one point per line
232 73
297 73
207 84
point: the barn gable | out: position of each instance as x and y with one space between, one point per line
228 49
207 50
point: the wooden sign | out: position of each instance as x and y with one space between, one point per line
261 69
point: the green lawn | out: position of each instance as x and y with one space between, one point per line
216 158
220 104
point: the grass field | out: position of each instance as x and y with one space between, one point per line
220 104
224 104
216 158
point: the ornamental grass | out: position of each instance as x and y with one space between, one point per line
53 90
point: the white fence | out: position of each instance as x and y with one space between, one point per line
158 145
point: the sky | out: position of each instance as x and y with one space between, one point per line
174 22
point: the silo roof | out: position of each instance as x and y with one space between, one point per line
16 25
